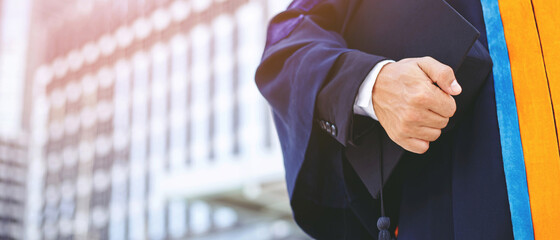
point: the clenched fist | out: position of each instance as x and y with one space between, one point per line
409 105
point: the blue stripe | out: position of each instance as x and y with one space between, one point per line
512 150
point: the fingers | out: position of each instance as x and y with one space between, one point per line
433 120
409 105
422 133
442 104
420 142
440 74
432 98
427 134
415 145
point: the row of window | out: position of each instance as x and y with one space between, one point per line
13 174
123 37
186 103
175 219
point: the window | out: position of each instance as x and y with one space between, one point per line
251 38
121 105
177 218
223 98
138 146
200 216
118 202
158 140
178 101
200 94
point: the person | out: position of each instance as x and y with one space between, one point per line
334 101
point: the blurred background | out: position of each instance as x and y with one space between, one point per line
137 119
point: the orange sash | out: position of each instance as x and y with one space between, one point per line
535 94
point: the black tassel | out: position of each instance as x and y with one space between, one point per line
383 224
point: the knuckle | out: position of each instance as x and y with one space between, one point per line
450 108
424 98
447 70
409 69
424 148
436 135
427 58
421 148
420 98
405 60
407 144
404 129
444 122
441 75
411 116
453 107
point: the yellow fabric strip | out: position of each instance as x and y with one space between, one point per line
548 24
536 119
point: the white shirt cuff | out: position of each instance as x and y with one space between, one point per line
363 105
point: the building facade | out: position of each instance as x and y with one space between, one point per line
144 114
14 29
13 174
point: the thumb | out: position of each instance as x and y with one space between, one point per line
440 74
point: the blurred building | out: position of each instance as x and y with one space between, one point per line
1 17
13 173
14 18
14 29
146 123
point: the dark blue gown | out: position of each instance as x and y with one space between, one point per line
310 73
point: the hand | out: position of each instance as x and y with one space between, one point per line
410 108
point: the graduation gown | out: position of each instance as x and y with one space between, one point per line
314 62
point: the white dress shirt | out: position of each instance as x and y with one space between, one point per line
363 105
